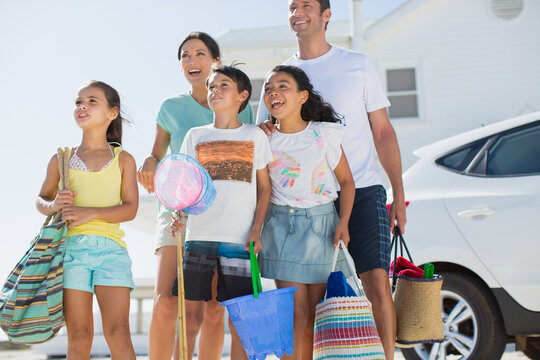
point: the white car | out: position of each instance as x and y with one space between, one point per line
474 213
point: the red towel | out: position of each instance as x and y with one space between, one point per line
406 268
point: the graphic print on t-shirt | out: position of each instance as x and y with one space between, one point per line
318 179
286 167
227 160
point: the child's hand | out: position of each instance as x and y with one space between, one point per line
145 174
342 232
177 222
254 236
77 215
63 198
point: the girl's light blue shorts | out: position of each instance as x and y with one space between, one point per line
298 244
92 260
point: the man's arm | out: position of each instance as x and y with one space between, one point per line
387 148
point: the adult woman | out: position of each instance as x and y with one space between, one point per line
197 53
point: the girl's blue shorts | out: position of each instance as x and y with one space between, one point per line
92 260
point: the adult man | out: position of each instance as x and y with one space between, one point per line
348 81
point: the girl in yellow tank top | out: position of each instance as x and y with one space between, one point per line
103 183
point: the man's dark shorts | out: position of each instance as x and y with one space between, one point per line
369 229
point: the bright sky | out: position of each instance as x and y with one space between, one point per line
49 47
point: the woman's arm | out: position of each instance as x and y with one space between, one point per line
124 212
145 174
346 199
264 190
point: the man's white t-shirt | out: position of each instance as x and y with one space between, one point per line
301 171
231 157
348 81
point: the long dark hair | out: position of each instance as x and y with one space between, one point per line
314 109
114 131
209 41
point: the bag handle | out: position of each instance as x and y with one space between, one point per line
255 274
62 155
398 240
350 262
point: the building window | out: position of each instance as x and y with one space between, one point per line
402 92
506 9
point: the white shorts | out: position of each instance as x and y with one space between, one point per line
163 231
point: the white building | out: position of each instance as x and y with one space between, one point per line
447 65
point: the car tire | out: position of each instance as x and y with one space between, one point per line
473 327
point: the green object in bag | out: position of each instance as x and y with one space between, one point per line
255 275
429 269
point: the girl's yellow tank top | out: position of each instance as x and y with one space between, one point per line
98 189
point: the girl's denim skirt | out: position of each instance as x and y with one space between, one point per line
298 244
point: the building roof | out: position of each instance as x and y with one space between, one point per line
338 31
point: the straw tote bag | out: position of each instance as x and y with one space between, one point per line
344 325
418 304
31 310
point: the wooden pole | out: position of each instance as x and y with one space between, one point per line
182 339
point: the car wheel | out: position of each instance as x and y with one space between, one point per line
532 349
472 325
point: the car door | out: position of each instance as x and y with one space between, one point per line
496 206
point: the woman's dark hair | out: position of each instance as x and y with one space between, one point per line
314 109
238 76
209 41
114 131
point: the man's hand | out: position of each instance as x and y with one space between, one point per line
268 127
398 214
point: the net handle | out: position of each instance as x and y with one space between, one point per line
62 155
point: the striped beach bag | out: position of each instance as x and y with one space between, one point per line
344 324
31 310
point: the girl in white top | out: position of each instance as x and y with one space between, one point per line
301 226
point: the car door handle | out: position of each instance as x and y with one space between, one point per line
472 213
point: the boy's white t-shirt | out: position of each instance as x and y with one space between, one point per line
348 81
231 156
302 167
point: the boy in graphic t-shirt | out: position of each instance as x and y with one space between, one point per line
236 156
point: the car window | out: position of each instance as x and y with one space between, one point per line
515 153
460 159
